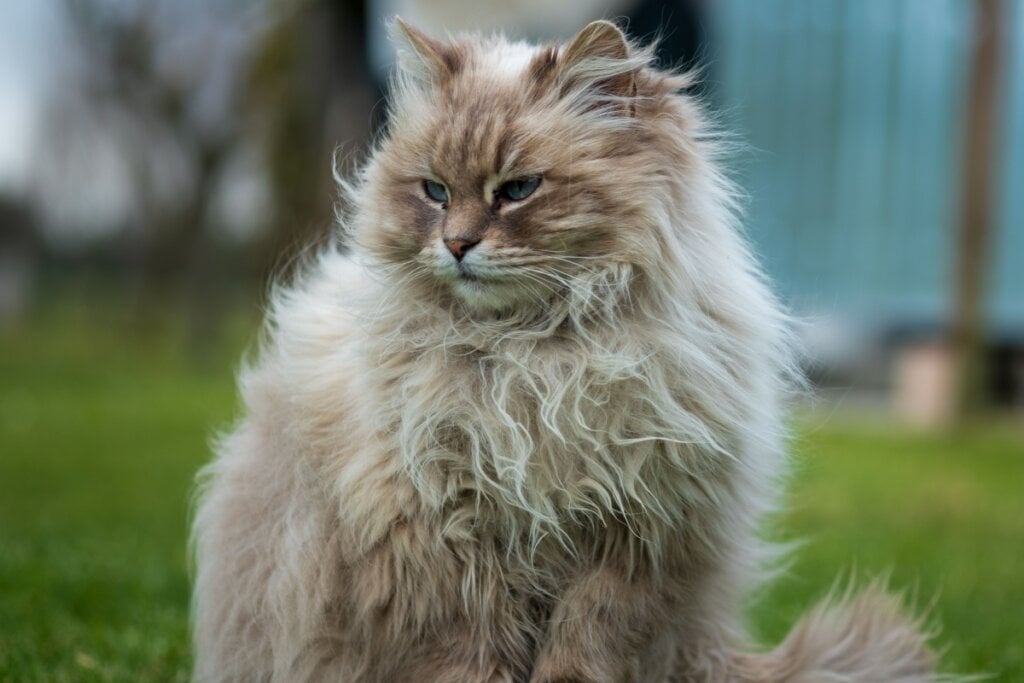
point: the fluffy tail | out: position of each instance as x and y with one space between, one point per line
865 638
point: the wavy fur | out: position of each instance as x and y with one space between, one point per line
554 476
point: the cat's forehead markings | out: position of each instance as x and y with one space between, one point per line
505 157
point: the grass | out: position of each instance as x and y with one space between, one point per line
101 433
941 515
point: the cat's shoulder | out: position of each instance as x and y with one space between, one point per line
325 305
344 274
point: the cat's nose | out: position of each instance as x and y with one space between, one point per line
459 246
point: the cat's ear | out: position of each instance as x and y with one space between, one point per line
598 39
426 57
599 57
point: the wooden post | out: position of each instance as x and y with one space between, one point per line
975 219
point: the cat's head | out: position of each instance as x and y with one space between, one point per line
510 172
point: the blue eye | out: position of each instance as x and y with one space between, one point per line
519 189
436 191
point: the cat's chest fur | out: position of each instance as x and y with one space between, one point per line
508 473
526 417
539 438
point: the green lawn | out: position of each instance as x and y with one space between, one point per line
101 432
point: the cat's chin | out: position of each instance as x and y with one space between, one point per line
485 295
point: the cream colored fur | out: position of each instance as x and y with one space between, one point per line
558 477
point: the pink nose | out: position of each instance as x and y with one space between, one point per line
460 246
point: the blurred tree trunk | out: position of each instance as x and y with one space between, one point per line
969 320
309 90
204 298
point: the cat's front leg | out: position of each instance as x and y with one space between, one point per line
607 629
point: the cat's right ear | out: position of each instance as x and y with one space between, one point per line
427 58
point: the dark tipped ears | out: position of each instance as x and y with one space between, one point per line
599 59
599 39
430 56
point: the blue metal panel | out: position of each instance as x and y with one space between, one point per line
1007 284
854 113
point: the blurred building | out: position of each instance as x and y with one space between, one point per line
855 116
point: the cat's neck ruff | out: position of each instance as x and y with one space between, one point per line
580 413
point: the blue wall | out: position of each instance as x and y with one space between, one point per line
852 112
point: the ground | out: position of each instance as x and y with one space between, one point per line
102 430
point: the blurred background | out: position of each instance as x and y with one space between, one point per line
162 160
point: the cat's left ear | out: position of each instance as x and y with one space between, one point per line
600 58
428 58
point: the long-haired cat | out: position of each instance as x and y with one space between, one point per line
525 427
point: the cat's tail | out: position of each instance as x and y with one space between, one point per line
862 638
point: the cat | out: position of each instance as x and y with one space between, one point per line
525 425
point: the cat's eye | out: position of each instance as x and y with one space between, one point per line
436 191
519 189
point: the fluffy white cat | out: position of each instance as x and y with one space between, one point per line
526 427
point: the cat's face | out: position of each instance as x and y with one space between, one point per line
507 172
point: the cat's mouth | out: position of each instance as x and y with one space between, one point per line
482 285
466 275
463 275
